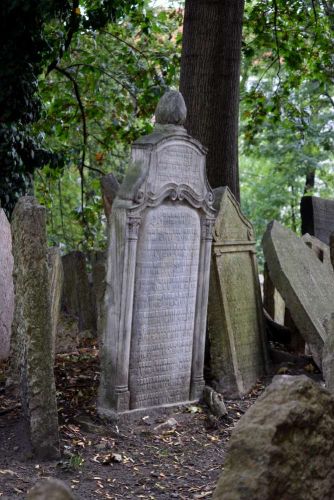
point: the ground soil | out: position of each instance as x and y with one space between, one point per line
130 461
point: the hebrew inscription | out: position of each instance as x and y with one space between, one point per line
164 306
179 163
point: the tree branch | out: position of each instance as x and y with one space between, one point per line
84 132
73 25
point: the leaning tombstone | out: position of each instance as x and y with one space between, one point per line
305 284
77 298
32 326
56 277
6 286
158 272
317 216
238 351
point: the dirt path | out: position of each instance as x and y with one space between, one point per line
181 461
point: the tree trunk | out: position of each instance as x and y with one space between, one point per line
210 74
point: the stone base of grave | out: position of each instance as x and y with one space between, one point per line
152 411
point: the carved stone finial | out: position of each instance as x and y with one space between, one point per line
171 109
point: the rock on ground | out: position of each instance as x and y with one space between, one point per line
50 489
283 447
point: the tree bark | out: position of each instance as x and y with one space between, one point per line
210 75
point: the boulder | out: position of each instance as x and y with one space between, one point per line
50 489
283 447
6 285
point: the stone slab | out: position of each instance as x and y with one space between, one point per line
6 285
56 279
303 281
77 297
317 217
238 355
32 328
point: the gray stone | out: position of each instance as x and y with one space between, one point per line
68 335
272 299
171 109
320 249
6 285
317 216
109 188
157 277
98 262
237 347
215 402
32 327
328 353
304 283
331 248
50 489
56 278
282 448
77 299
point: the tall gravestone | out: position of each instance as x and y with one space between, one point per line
237 346
6 285
32 326
317 217
158 272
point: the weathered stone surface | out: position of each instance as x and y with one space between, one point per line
317 217
321 250
171 109
50 489
304 283
328 353
68 335
282 448
331 248
77 299
215 402
56 278
99 269
109 187
6 285
272 300
32 326
235 322
157 278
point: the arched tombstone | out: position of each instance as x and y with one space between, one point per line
158 272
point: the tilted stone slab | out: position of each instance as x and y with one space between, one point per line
32 327
158 273
305 284
238 354
6 285
317 217
282 448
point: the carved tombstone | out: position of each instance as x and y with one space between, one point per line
6 285
235 322
317 217
32 328
158 272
